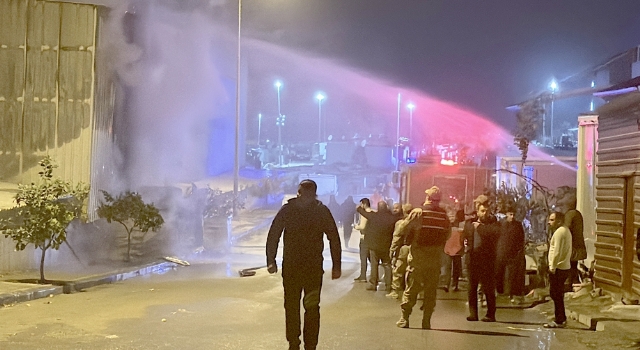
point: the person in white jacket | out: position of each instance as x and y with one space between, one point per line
559 266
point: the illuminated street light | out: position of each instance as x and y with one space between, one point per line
320 97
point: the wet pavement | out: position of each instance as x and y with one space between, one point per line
208 306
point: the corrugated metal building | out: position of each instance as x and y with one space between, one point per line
617 269
50 81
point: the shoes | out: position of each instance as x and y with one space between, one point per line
456 289
426 325
472 318
393 295
446 289
517 300
554 324
293 346
403 323
372 287
488 319
360 279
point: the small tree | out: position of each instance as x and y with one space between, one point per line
132 213
528 122
44 211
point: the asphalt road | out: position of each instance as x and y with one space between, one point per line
207 306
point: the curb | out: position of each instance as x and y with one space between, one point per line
124 274
261 225
597 323
33 293
73 286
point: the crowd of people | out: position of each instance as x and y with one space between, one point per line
418 250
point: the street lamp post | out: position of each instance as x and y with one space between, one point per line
279 123
398 136
320 97
411 106
236 158
259 127
554 87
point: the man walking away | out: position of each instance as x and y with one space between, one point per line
378 239
364 250
304 220
482 238
425 250
559 266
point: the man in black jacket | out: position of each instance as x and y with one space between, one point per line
380 227
304 220
482 238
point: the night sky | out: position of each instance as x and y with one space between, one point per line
482 55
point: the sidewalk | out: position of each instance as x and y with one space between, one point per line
18 287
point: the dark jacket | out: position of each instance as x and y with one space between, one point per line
489 232
348 212
380 227
573 220
511 241
303 228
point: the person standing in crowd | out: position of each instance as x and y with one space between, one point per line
559 266
363 227
510 260
397 211
347 213
399 251
334 208
304 220
426 242
482 237
574 222
378 240
453 251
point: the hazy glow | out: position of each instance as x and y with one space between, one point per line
411 106
320 97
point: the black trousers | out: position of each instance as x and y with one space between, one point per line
556 292
481 271
294 287
364 256
347 229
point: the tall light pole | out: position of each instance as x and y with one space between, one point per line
411 106
398 136
279 123
259 127
320 97
236 159
554 87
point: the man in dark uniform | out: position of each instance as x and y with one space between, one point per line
482 238
304 220
426 238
